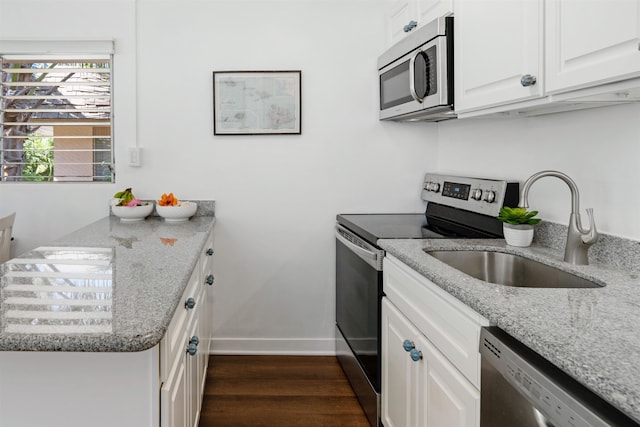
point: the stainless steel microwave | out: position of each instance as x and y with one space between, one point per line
416 75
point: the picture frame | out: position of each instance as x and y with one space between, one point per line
257 102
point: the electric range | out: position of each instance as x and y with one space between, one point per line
457 207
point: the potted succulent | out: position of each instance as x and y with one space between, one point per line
517 225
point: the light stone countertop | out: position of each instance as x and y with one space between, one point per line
593 334
152 262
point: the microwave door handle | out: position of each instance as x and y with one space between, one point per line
427 73
412 78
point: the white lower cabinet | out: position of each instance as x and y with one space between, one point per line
158 387
181 391
430 359
420 387
184 353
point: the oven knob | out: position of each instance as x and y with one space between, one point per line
490 196
436 187
476 194
431 186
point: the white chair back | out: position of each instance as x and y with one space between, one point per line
6 226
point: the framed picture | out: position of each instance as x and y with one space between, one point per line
256 102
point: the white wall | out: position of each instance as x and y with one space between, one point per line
276 196
599 149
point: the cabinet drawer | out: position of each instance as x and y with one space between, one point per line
206 258
450 325
175 338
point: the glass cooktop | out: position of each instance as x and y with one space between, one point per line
440 223
386 226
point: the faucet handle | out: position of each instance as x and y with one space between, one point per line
591 236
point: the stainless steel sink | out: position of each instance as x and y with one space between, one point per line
510 270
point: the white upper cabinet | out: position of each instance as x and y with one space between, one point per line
540 56
591 42
406 15
429 10
399 16
498 43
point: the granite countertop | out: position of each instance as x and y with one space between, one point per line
593 334
117 294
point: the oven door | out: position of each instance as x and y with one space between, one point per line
358 296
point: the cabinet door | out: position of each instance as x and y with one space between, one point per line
399 15
173 397
429 10
193 368
402 12
426 390
451 400
203 329
497 43
207 261
399 372
591 42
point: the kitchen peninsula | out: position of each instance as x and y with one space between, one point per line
98 327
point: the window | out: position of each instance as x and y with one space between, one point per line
55 117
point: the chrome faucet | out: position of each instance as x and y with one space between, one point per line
578 239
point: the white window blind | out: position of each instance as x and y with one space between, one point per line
55 115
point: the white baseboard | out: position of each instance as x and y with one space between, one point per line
264 346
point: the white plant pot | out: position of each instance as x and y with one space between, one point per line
520 235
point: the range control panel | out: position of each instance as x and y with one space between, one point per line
483 196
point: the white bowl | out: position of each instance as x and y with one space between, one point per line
181 212
132 213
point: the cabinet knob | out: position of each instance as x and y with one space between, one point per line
410 26
416 355
408 345
190 303
192 349
528 80
209 252
209 279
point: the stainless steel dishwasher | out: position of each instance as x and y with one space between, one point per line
520 388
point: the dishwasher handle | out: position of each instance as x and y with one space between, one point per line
366 251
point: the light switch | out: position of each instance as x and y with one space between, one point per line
135 156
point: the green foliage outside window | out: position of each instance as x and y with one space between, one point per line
38 159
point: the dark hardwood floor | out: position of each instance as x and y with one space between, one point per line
278 391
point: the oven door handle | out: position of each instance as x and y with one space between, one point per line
371 256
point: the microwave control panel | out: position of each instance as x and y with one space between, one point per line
480 195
